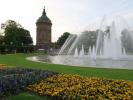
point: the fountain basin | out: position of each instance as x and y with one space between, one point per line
86 61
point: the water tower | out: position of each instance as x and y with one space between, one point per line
43 32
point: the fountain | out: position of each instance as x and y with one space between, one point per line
114 41
110 46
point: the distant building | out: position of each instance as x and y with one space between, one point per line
43 32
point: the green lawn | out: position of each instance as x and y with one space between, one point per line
26 96
18 60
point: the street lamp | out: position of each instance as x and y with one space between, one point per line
22 43
11 43
11 46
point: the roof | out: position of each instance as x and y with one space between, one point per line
44 18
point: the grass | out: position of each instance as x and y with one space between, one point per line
18 60
27 96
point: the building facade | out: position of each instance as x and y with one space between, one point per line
43 32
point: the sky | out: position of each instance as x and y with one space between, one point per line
66 15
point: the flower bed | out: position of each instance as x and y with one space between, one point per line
2 66
9 71
13 81
75 87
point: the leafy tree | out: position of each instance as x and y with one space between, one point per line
15 37
15 34
10 23
1 39
62 38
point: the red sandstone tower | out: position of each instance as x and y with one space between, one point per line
43 32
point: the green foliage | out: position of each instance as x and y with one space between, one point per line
62 38
15 37
15 34
10 23
14 48
1 39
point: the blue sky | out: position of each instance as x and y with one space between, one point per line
66 15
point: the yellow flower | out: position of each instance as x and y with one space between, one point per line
2 66
67 86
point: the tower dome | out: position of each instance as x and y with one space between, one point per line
43 18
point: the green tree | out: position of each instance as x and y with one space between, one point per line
61 40
15 37
1 39
15 34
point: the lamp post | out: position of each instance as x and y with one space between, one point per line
22 44
11 43
4 47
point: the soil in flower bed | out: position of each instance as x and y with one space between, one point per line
15 80
75 87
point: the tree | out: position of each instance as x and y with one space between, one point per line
61 40
15 35
1 39
10 23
